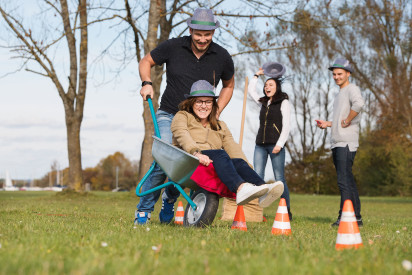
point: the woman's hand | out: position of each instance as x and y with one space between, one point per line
203 159
276 149
260 72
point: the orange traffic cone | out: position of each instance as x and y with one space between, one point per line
180 213
348 232
281 225
239 222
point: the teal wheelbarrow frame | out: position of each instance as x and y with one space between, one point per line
179 166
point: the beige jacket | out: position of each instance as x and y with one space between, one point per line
191 136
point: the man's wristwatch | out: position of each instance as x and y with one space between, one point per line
146 83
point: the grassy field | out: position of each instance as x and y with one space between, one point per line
49 233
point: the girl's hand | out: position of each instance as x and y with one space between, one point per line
276 149
260 72
203 159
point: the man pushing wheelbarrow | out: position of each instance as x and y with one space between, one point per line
188 59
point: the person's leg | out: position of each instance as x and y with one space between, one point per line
260 158
340 160
227 173
157 177
225 169
247 173
278 166
352 185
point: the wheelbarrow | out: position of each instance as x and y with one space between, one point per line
179 166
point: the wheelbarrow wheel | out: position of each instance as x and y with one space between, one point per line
207 204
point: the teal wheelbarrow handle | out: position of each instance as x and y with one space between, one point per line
138 187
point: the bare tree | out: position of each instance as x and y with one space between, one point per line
310 86
158 17
34 50
376 37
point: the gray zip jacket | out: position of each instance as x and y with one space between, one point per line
348 98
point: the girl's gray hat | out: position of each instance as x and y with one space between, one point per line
201 88
203 19
273 69
341 63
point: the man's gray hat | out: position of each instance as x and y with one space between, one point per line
273 69
203 19
341 63
201 88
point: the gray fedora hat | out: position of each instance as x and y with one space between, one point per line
273 69
203 19
201 88
341 63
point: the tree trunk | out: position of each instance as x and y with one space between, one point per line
74 100
74 153
156 77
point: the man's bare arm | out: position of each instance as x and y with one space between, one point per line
225 94
144 70
346 122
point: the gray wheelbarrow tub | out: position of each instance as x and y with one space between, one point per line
176 163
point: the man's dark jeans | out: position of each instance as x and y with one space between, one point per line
343 160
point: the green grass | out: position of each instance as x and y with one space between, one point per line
47 233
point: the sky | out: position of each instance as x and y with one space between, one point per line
32 125
33 132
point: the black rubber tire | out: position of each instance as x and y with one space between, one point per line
207 203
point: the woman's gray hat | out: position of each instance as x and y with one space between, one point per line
341 63
201 88
203 19
273 69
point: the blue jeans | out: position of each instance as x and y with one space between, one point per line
260 159
157 177
343 160
232 172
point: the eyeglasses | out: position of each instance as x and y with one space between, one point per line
200 102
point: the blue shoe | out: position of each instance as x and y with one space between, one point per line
141 218
168 209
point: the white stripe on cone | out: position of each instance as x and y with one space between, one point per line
349 238
281 225
282 210
347 214
178 219
348 219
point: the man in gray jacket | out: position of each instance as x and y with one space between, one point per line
345 134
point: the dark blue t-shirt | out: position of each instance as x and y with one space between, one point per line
183 68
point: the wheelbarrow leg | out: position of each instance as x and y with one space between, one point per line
189 200
144 179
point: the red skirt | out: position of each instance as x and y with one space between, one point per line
206 178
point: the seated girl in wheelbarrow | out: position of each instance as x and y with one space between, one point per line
196 130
